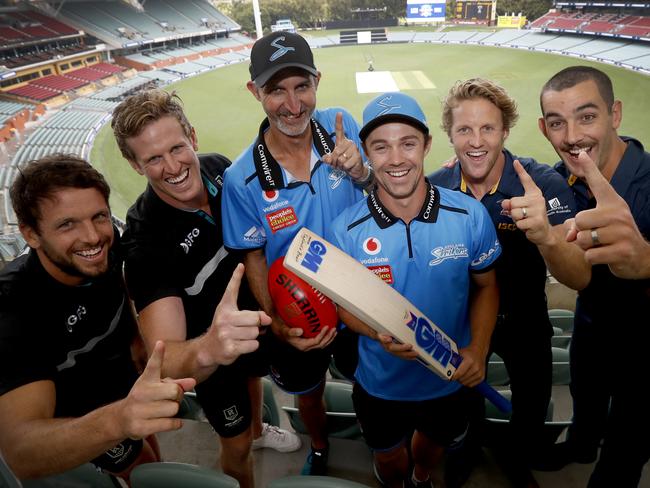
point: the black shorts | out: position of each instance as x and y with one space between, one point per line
120 457
387 423
293 370
345 352
225 400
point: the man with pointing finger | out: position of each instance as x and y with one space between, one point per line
184 284
528 204
303 169
610 177
69 390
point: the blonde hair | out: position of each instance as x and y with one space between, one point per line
132 115
479 88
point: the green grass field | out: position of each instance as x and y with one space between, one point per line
227 117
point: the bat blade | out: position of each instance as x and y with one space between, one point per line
351 285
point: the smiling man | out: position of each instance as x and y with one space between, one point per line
528 204
303 169
580 118
67 392
410 220
177 271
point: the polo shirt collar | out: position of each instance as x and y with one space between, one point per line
269 172
384 218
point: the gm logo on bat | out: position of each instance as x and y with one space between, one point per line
313 258
430 340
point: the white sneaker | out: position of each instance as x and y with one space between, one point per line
276 438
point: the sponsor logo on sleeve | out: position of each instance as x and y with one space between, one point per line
255 235
450 251
486 255
282 219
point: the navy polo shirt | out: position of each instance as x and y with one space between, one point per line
608 300
521 271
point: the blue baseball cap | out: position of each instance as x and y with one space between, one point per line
392 107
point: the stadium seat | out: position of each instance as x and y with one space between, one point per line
334 371
7 477
84 475
561 371
189 408
561 318
175 475
341 418
495 429
313 482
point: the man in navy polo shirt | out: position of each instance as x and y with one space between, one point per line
528 204
580 118
433 245
303 169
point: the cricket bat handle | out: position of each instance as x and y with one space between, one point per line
499 401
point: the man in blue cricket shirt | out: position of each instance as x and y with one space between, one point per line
432 245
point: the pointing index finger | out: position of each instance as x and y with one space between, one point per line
598 184
153 368
232 290
525 179
340 136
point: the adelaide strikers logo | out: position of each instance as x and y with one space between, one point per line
372 246
270 195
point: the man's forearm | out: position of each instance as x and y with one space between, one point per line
565 260
484 306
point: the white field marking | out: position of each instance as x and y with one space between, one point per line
375 82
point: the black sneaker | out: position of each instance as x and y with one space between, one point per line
561 454
316 463
411 483
460 464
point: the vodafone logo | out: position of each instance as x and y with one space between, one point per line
372 246
270 195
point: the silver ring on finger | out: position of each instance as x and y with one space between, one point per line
594 237
524 211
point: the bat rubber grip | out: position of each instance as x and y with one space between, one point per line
499 401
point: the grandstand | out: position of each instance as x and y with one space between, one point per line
617 20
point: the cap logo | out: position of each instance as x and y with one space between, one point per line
281 50
384 103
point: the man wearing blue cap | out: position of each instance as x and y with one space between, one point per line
431 245
303 169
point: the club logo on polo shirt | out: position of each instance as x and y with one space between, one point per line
189 240
72 320
336 176
372 246
450 251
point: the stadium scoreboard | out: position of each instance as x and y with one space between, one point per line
475 11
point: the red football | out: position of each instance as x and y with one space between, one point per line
298 303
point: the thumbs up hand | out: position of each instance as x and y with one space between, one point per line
152 402
608 233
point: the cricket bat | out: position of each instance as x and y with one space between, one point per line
349 283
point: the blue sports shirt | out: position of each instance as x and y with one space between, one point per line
264 207
429 261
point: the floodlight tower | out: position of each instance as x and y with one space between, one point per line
258 18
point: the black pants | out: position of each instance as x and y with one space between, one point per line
608 373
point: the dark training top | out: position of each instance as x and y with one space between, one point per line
521 271
608 301
76 336
179 253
